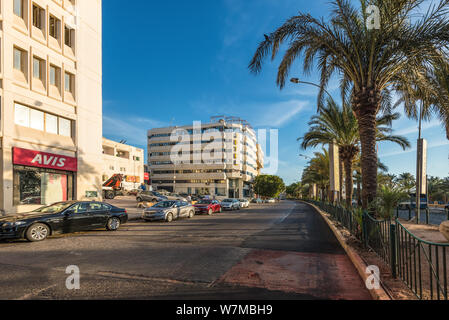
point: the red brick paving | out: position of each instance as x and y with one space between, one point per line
323 275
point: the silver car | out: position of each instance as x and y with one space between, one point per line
168 211
230 204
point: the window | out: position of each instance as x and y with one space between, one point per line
51 123
21 115
36 119
19 59
39 120
38 17
38 68
41 186
65 127
69 36
18 8
54 27
68 82
55 76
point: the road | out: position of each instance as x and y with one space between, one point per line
436 216
270 251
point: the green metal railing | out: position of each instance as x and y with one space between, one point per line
421 265
377 236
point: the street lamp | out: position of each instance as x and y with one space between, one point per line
297 81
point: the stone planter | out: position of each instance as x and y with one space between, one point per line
444 229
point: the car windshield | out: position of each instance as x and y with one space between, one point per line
164 204
54 208
204 202
227 200
242 200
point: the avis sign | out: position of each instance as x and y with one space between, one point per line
47 160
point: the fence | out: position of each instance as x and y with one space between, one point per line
420 264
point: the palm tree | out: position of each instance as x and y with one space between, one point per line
406 182
338 125
369 61
317 172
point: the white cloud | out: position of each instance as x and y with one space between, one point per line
278 114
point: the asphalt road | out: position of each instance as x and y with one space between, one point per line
270 251
436 216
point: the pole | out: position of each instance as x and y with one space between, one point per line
419 169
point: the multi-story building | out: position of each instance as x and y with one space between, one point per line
120 158
51 102
220 158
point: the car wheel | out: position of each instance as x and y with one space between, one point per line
220 210
191 214
113 224
210 212
37 232
169 217
139 199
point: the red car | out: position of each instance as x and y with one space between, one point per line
207 206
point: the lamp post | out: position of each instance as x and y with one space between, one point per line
297 81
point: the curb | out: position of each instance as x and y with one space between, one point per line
359 264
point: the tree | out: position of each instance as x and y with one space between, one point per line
369 61
294 190
268 186
406 182
387 200
317 172
335 124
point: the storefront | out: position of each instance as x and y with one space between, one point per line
41 178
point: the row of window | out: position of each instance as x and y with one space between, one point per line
39 18
40 68
31 118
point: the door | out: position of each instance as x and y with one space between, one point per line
76 218
99 214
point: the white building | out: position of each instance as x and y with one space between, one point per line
119 158
228 171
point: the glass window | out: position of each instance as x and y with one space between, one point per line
36 68
54 27
53 76
18 59
41 186
38 17
36 119
22 115
67 82
65 127
68 36
51 123
18 8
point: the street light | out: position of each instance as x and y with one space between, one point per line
297 81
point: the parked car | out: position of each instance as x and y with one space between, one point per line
168 211
150 196
244 203
207 206
62 217
270 200
230 204
257 200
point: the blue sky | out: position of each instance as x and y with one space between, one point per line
174 61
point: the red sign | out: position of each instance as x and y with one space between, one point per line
146 176
47 160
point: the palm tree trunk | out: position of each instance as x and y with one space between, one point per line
359 194
341 180
348 181
366 104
